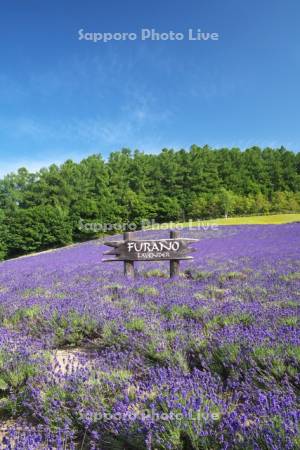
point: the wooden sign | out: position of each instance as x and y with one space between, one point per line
130 250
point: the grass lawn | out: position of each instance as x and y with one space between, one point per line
255 220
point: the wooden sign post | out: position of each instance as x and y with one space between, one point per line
130 250
174 263
128 264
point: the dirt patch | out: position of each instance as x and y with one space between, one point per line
5 428
67 361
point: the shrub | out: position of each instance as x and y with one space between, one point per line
223 359
185 312
291 276
112 336
72 328
197 275
155 273
289 321
23 316
229 276
14 375
147 290
137 324
215 292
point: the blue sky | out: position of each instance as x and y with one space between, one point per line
61 97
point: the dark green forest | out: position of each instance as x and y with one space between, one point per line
43 210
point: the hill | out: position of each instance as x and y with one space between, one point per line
91 359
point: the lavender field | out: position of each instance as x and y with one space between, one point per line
208 360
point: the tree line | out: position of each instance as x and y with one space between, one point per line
43 210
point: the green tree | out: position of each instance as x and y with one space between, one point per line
37 228
3 236
227 201
45 209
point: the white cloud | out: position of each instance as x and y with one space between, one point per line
139 115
